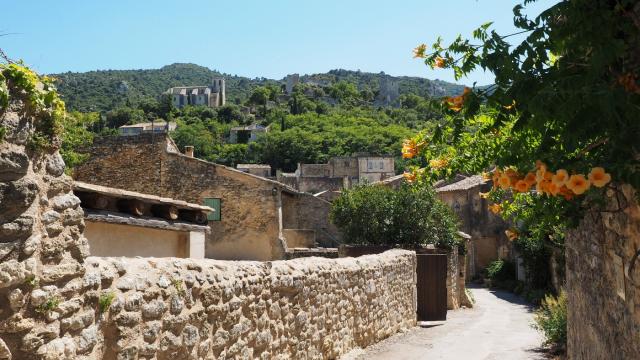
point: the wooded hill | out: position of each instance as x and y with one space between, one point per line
104 90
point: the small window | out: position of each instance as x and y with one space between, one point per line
381 165
215 205
370 164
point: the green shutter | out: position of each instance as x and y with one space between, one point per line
215 205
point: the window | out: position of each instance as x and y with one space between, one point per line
381 164
215 205
369 164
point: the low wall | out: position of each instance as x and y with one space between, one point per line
603 292
182 308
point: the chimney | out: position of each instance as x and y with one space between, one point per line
188 150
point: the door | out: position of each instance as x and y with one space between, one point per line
431 286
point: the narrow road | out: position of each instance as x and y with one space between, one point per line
498 327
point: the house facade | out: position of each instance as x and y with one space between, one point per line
254 217
340 172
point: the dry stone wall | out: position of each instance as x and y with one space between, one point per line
603 288
308 308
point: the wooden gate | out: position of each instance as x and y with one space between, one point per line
432 287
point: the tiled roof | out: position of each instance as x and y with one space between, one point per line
464 184
126 194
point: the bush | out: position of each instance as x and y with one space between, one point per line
551 319
410 216
502 274
501 270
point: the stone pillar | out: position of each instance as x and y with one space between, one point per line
196 245
42 249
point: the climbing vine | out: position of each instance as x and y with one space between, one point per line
41 98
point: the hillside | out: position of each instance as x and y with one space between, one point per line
106 89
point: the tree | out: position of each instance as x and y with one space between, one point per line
409 216
345 92
196 135
76 136
285 149
124 116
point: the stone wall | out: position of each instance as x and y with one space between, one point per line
603 292
42 248
303 308
310 213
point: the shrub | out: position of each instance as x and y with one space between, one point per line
502 274
501 270
551 319
409 216
105 301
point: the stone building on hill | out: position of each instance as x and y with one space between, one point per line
213 95
340 172
255 218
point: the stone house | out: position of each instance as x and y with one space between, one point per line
340 172
159 126
262 170
213 95
247 134
255 218
488 240
127 223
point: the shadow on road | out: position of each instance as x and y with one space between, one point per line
507 296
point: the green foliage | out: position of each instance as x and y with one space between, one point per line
179 286
568 91
105 90
32 281
50 304
345 92
3 131
41 98
541 224
500 271
409 216
105 301
77 135
195 134
551 319
125 116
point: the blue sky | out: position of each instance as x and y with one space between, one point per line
249 38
